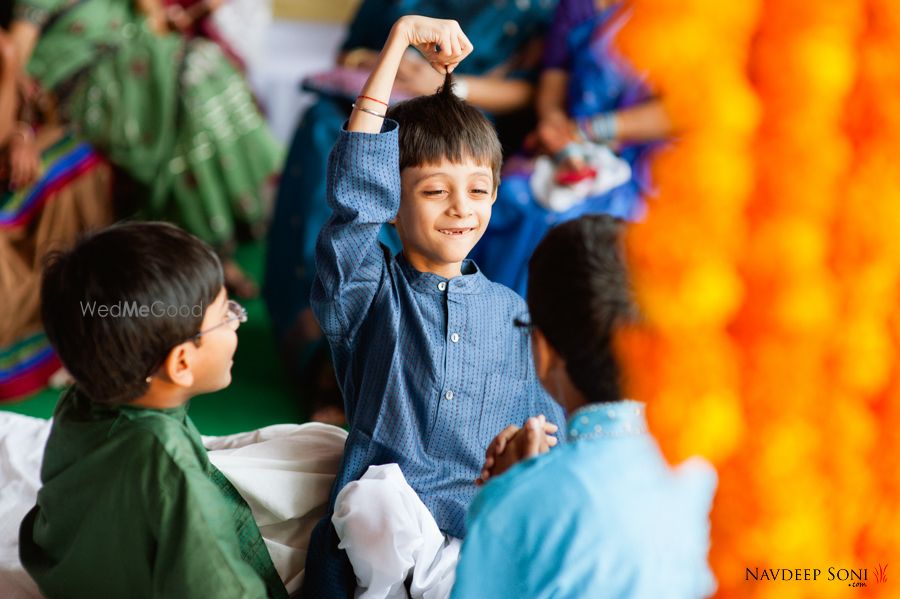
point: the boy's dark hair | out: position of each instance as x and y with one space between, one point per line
578 293
134 265
443 126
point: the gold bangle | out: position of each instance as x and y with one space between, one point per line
366 110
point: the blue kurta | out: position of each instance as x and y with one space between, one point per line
430 368
620 523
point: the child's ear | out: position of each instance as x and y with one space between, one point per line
544 355
178 365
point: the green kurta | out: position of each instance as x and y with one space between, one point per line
174 114
132 507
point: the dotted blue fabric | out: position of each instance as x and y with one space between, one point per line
430 368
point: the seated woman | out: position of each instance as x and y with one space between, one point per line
598 122
621 523
171 113
52 188
496 78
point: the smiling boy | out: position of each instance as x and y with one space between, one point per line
424 347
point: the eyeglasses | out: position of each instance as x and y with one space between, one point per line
523 324
236 315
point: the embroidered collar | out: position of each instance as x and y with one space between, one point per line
614 419
471 281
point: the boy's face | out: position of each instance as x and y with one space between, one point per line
444 210
214 356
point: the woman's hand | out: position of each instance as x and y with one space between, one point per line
184 19
155 14
441 42
359 58
7 50
555 132
178 18
24 158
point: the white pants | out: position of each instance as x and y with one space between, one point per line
390 536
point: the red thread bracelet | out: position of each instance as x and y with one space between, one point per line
370 98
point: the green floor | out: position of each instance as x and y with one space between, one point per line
259 394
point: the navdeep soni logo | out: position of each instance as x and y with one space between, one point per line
852 577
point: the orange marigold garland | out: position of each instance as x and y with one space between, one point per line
687 279
684 257
803 66
768 269
866 257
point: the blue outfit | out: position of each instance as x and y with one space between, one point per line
580 42
620 523
431 369
498 30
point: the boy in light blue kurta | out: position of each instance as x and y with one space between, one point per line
424 347
621 523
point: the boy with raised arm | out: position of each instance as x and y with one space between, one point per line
424 347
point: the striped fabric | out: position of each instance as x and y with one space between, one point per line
64 161
26 365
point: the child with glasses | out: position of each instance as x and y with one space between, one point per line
130 503
622 522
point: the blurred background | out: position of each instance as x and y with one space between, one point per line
764 247
281 42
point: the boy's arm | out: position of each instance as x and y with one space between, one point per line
364 183
363 191
441 42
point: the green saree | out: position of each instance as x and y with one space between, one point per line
174 114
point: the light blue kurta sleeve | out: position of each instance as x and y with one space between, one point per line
494 555
488 567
